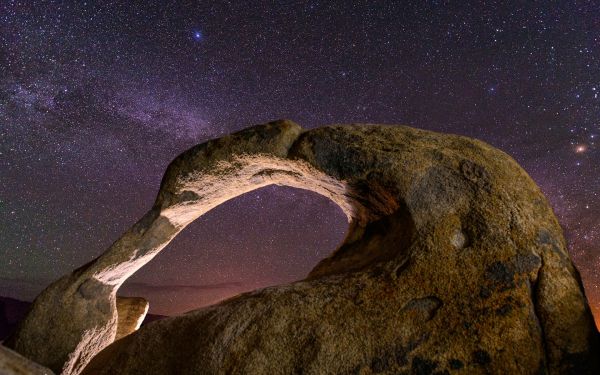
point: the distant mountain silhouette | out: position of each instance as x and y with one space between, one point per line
13 310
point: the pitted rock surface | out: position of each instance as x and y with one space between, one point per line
454 263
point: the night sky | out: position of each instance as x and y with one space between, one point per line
97 99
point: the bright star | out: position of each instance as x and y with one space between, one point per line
197 35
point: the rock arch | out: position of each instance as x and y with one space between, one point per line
438 223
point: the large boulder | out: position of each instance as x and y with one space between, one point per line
453 262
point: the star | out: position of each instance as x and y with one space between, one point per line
197 35
492 89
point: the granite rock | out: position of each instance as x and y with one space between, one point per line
12 363
131 312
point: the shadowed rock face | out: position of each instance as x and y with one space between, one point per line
453 262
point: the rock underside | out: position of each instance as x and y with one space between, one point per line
453 263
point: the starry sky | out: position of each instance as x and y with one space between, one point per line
97 98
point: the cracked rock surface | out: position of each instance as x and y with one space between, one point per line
453 263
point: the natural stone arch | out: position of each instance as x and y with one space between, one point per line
416 201
83 303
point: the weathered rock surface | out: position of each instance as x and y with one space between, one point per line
131 312
12 363
453 262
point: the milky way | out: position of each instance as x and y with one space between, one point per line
95 100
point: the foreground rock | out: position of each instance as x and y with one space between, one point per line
12 363
131 312
454 262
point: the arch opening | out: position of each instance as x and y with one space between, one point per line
370 207
270 236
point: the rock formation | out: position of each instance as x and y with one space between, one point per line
131 312
453 262
12 363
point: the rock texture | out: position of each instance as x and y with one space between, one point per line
131 312
12 363
453 262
